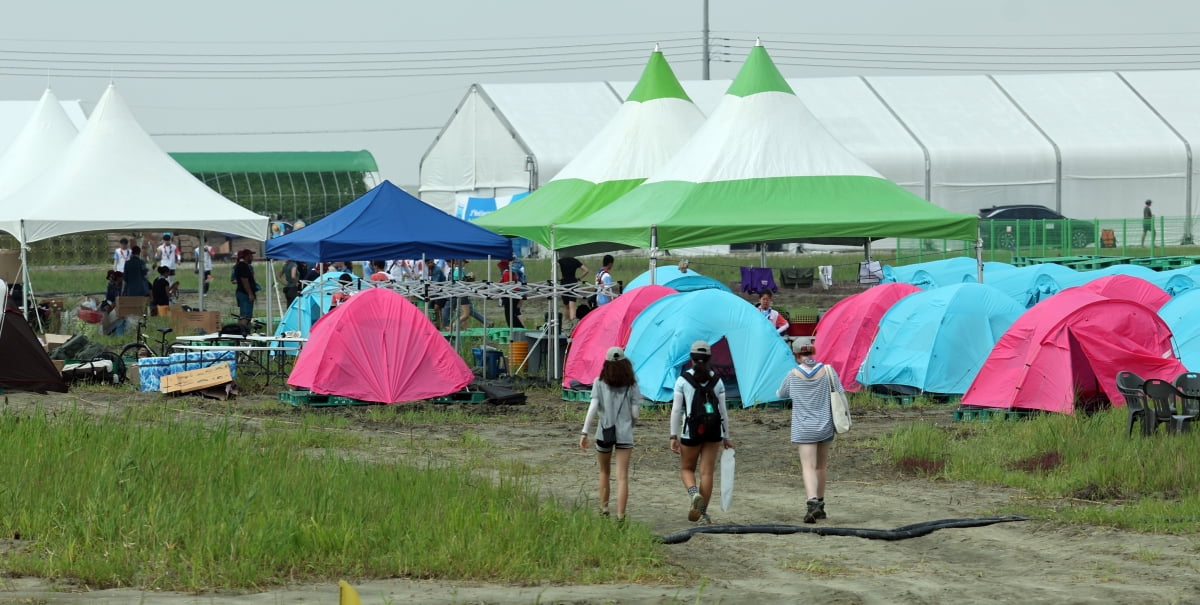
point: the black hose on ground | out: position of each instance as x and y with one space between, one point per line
915 530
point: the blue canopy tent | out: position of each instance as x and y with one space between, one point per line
935 341
662 335
671 277
387 223
944 272
1182 316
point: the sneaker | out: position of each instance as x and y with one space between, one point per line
811 515
694 513
703 519
820 514
604 511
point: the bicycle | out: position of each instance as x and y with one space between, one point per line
141 347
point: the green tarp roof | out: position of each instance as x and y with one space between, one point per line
277 161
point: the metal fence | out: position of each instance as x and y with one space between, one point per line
1003 240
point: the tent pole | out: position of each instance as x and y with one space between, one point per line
552 362
485 324
26 290
653 253
979 254
200 270
270 288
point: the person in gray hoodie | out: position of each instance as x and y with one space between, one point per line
615 403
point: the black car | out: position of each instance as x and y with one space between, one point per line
1027 225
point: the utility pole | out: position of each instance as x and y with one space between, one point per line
707 53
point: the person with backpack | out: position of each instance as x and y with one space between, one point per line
604 282
615 403
809 386
699 428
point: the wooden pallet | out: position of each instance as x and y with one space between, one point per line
989 414
316 400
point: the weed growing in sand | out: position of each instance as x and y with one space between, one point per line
1083 467
200 505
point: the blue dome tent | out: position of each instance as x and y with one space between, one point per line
1029 285
662 335
313 302
935 341
1182 316
671 277
944 272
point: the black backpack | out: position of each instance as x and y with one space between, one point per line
704 416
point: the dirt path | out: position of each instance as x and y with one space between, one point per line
1031 562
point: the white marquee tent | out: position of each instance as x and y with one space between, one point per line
113 177
1091 145
39 145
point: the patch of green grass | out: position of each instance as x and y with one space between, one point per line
197 505
1081 468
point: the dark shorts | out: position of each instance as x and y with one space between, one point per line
605 447
569 297
700 442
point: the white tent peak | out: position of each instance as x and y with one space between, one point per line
113 177
757 41
41 142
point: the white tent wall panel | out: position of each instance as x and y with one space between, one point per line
475 153
1175 95
555 121
1116 152
983 151
854 115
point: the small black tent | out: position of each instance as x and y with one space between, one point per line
27 366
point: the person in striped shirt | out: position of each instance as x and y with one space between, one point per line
808 386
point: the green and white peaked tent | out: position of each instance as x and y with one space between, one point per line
653 124
761 169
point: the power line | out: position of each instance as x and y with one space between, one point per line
295 132
308 43
642 45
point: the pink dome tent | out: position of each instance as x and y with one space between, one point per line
1128 287
379 347
844 334
1071 346
607 326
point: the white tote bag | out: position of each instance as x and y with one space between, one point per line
838 404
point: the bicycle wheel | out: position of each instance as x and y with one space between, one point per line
137 350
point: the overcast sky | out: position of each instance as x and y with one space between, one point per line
385 75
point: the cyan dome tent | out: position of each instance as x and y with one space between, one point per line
943 272
1069 348
1128 287
1182 316
663 333
1028 285
935 341
379 347
310 305
606 326
1178 281
845 332
677 280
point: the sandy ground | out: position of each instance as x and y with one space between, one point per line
1033 561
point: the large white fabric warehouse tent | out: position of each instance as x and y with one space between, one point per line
1090 145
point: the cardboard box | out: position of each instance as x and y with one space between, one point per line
195 380
131 305
60 364
191 323
53 341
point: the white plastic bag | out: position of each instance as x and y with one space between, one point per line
727 467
